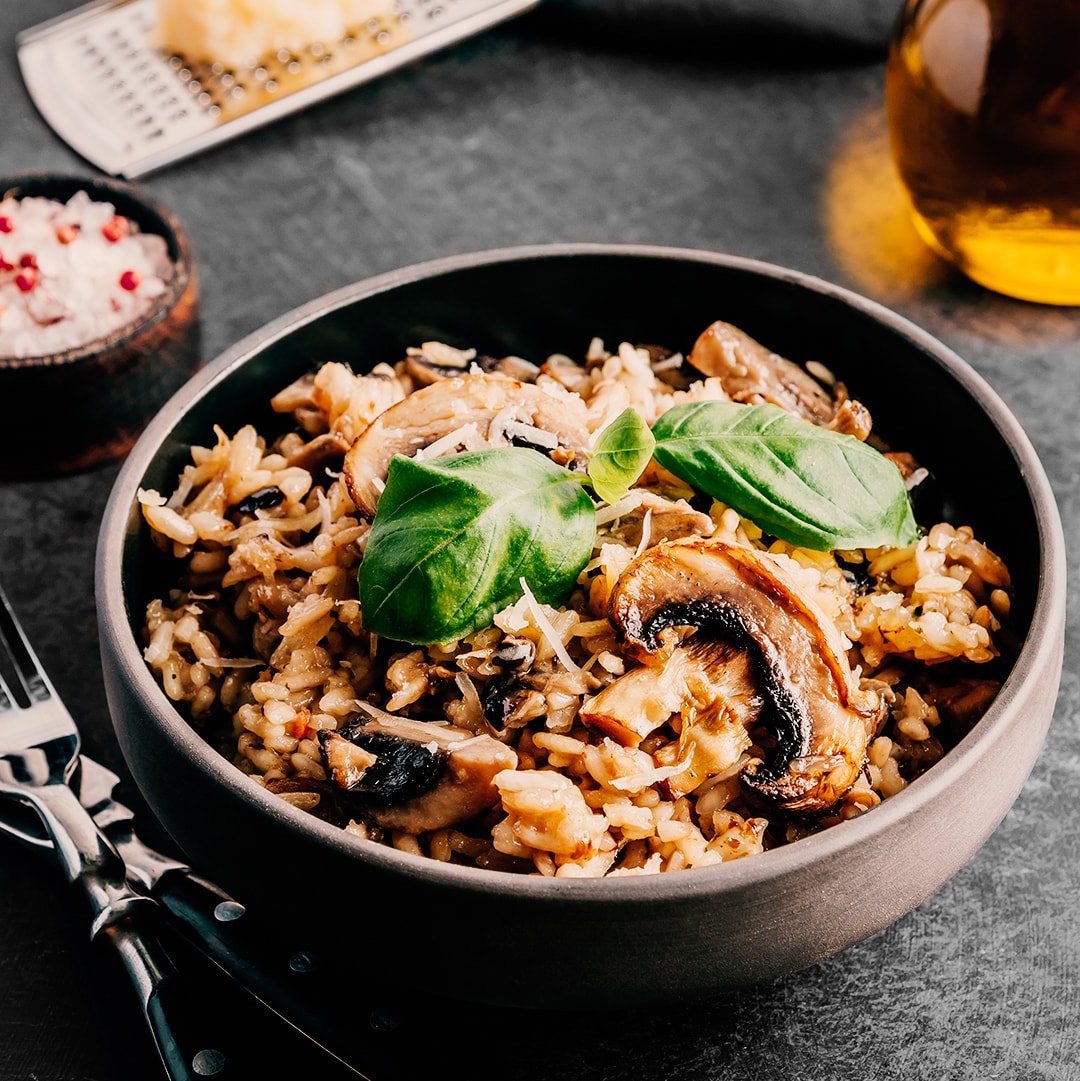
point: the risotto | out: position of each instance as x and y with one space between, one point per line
631 613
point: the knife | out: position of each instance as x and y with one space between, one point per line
198 1013
288 976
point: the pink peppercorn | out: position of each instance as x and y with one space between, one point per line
4 264
26 279
6 224
28 260
116 228
130 280
66 233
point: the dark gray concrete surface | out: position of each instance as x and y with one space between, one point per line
538 132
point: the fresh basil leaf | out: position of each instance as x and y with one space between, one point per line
622 450
804 484
453 536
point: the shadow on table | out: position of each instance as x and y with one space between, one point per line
733 32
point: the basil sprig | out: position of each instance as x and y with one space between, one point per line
454 536
804 484
622 451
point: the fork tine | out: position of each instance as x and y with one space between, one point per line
7 699
23 659
7 702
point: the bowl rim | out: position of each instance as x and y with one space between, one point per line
100 188
1042 645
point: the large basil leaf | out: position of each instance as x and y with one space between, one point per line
453 536
801 483
622 451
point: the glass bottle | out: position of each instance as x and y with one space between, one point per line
983 106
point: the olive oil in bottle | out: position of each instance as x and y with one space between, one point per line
983 106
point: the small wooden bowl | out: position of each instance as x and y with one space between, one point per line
87 405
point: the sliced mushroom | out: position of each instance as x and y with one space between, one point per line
423 776
326 449
673 683
435 361
298 398
510 701
680 595
669 519
851 418
752 374
448 405
634 705
710 745
348 761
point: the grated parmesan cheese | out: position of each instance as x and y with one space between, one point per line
238 33
547 630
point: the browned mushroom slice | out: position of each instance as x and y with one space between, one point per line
679 595
323 450
298 398
346 761
427 365
714 732
851 417
421 776
681 682
750 373
668 519
448 405
637 703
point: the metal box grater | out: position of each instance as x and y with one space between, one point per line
126 106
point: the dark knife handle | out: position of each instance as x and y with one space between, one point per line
172 1001
174 1004
286 977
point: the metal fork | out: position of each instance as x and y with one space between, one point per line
39 755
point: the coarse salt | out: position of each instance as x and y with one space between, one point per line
71 275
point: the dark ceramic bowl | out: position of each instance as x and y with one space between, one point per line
531 941
87 405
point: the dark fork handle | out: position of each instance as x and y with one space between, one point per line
172 1002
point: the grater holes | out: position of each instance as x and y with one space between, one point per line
219 91
135 107
226 91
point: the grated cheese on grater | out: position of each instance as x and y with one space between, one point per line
239 33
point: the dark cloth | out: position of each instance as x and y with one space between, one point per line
811 30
